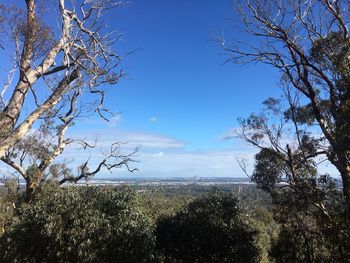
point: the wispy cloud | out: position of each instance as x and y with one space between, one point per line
161 155
132 139
185 163
158 154
230 134
164 156
152 140
153 119
114 121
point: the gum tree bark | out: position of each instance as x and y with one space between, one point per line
80 46
56 74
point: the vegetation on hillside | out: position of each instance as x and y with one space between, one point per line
79 224
294 213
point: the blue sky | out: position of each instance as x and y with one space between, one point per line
178 75
178 88
178 100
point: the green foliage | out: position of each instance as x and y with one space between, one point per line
313 227
269 169
267 229
298 243
7 212
156 203
309 208
80 224
9 199
309 236
332 52
209 229
301 114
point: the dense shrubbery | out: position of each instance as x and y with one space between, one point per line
155 203
307 234
209 229
7 213
80 224
94 224
91 224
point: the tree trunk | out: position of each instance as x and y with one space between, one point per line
16 135
30 189
32 183
345 173
12 111
343 166
26 77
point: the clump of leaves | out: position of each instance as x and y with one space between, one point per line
80 224
208 229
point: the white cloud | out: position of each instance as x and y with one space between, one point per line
162 155
151 140
158 154
153 119
165 156
112 122
230 134
182 163
131 139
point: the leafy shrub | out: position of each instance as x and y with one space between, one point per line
7 213
209 229
311 238
156 203
80 224
267 229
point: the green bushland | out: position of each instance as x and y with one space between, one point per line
80 224
157 203
208 229
168 224
89 224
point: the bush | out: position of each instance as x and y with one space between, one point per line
267 229
80 224
307 239
7 213
209 229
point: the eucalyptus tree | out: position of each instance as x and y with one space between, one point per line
308 43
59 67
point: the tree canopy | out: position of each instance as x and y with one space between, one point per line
308 43
209 229
80 224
